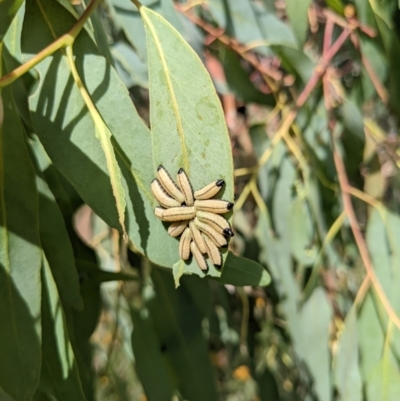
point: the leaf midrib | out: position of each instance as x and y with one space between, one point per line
175 106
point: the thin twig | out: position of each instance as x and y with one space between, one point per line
378 85
360 241
338 20
218 33
65 40
291 116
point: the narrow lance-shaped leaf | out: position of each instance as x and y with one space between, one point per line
104 135
67 129
59 374
8 10
20 259
177 320
54 236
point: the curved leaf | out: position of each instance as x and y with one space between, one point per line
9 9
20 259
59 375
54 238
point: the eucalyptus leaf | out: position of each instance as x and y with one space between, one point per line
177 323
313 328
187 122
59 374
347 374
9 9
149 359
54 238
20 259
297 12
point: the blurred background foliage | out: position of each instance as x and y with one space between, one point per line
311 95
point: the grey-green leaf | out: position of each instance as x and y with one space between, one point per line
178 324
8 10
54 238
59 374
241 271
149 360
297 11
187 122
20 259
346 363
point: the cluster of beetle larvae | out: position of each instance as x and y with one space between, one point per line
194 216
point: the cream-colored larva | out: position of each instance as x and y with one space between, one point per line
158 211
201 261
197 237
209 190
163 199
213 251
179 213
177 228
185 186
216 221
213 206
169 185
184 244
216 237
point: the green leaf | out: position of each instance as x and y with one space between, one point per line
59 374
129 19
313 328
373 325
240 271
296 62
4 396
297 12
384 381
274 239
20 259
187 122
178 325
346 363
130 67
8 10
55 240
276 32
239 81
67 131
302 235
336 5
67 107
244 25
149 359
378 15
81 324
101 276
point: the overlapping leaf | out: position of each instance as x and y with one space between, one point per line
20 259
59 374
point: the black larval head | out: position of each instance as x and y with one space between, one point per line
160 167
220 183
228 232
229 206
181 170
